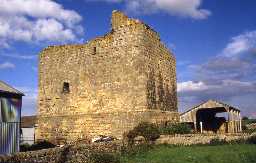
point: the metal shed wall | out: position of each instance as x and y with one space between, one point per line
10 111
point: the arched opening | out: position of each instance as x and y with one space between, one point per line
208 122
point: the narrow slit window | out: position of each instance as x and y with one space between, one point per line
66 88
94 50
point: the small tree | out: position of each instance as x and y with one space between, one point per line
176 128
148 130
245 118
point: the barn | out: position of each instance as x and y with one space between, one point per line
213 117
10 114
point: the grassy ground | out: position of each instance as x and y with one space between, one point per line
240 153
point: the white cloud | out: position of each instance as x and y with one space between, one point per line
224 90
34 21
38 9
241 43
181 8
228 77
4 44
183 63
110 1
49 29
19 56
191 86
235 62
7 65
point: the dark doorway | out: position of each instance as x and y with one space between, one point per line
210 122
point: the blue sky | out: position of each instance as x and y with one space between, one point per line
214 42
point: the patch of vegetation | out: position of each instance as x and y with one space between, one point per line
218 142
175 128
148 130
25 147
105 158
252 139
246 123
136 149
237 153
37 146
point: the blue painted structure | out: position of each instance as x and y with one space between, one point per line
10 115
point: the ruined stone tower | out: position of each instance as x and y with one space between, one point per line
106 86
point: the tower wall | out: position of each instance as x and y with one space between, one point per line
106 86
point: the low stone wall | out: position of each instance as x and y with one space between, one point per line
191 139
80 153
67 154
251 126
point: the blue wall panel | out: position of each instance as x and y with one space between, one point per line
10 112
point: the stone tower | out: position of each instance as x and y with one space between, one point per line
106 86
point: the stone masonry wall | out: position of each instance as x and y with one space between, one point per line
79 153
190 139
63 129
115 82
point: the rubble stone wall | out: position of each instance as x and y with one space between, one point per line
191 139
68 154
108 85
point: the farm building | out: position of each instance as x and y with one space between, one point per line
205 120
10 113
28 124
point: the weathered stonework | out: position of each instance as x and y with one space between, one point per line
108 85
190 139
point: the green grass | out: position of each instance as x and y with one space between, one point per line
239 153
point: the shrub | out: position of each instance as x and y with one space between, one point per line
130 136
136 150
104 158
252 139
148 130
245 118
244 127
218 141
42 145
178 128
238 141
37 146
25 147
248 130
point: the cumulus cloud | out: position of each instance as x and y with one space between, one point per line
242 43
41 20
236 61
19 56
191 86
7 65
110 1
181 8
224 88
223 68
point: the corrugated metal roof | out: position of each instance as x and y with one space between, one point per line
217 102
5 88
